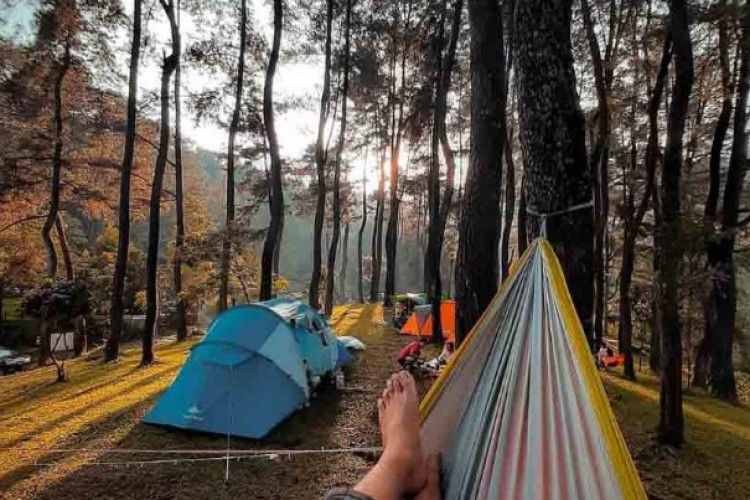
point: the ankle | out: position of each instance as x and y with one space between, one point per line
402 464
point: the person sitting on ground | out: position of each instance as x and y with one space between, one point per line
600 358
411 353
402 470
447 353
443 357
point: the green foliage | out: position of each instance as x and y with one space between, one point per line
58 301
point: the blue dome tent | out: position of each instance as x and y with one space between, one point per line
253 369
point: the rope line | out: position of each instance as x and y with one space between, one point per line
544 216
222 455
563 211
221 452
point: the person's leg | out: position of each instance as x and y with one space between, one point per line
430 491
401 468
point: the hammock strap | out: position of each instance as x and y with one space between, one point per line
543 216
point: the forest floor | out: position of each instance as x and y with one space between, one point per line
100 408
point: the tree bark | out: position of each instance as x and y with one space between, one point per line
320 162
671 426
343 291
330 274
510 169
180 304
226 249
477 263
510 206
377 234
112 348
360 235
722 302
552 137
54 203
154 216
277 195
62 239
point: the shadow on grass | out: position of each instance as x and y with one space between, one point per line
696 405
57 422
44 463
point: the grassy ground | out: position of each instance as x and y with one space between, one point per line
714 462
101 406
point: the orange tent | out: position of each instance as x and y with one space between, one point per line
414 326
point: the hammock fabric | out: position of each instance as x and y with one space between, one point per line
520 411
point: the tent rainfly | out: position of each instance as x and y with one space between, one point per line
520 411
420 321
252 370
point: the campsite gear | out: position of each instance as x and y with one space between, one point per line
404 304
340 380
253 368
420 322
520 411
411 350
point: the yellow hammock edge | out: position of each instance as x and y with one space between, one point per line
622 463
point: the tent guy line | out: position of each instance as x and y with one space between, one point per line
223 452
235 456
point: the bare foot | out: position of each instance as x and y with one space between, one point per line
399 427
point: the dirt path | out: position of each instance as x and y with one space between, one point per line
105 413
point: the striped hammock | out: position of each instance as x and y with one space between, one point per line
520 411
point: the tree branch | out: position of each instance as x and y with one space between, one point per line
22 221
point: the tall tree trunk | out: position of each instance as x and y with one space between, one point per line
2 295
703 353
337 170
180 306
391 234
510 206
552 133
432 258
440 210
377 234
510 171
360 288
277 195
54 202
722 302
320 162
477 263
62 238
154 214
112 348
229 229
670 253
277 255
343 291
633 223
